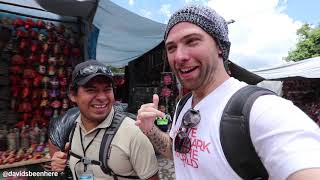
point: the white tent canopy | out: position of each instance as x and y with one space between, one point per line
308 68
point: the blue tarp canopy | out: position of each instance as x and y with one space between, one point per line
118 35
123 35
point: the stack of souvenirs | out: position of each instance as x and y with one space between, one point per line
21 145
42 56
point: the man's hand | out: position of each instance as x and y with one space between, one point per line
148 113
59 159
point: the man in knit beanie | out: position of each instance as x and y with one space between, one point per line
208 20
280 142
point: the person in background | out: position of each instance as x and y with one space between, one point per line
163 123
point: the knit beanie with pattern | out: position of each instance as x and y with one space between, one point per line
207 19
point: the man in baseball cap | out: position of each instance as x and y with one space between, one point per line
131 153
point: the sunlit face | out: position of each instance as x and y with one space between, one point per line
193 55
94 99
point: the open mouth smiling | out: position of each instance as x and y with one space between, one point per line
187 70
100 106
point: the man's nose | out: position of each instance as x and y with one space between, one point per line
181 54
101 95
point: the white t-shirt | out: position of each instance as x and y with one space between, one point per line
285 138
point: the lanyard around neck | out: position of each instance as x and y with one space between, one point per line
81 140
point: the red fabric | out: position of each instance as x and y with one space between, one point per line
34 34
40 24
66 50
76 52
29 73
23 44
36 94
28 23
43 58
34 47
18 22
37 80
15 70
15 80
26 92
17 60
15 91
33 59
56 104
167 80
165 92
25 107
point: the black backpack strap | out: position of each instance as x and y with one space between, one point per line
85 160
71 133
107 138
235 134
181 103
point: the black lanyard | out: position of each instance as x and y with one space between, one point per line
85 149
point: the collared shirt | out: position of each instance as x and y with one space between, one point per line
131 154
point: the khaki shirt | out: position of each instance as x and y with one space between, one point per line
131 154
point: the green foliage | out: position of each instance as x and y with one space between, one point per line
116 70
308 45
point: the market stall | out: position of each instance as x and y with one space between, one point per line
300 84
150 74
42 49
38 52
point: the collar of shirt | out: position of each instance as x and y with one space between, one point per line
104 124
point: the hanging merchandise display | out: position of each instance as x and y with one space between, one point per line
305 94
168 92
38 57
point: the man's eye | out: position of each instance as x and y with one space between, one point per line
108 89
90 90
170 49
192 41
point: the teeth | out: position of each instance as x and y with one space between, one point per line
186 69
100 106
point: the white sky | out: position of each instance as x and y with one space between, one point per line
262 33
261 36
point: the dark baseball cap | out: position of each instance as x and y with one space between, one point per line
87 70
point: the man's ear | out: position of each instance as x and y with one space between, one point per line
219 51
71 96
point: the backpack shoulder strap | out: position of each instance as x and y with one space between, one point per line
107 138
74 125
181 103
235 134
